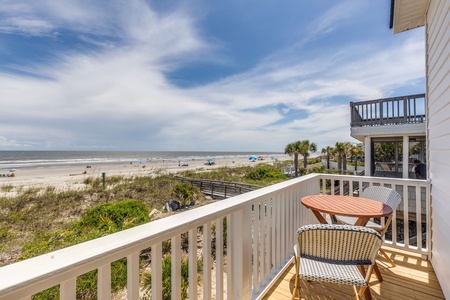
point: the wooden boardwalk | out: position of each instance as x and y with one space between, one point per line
413 278
218 189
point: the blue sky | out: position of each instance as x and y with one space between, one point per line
195 75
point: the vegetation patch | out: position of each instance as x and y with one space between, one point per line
266 172
102 219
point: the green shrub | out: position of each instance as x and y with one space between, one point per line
317 169
263 172
186 193
116 216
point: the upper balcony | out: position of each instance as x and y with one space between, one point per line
253 248
388 117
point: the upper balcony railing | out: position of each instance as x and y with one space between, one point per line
388 111
259 235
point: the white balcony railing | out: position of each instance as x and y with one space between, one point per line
261 228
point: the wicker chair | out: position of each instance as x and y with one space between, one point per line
382 194
336 254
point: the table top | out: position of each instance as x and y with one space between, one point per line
347 206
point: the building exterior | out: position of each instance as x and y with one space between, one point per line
435 16
393 132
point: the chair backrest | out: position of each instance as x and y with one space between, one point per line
339 244
382 194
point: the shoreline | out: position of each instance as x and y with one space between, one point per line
73 176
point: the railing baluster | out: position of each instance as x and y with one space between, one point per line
263 213
193 263
238 253
274 238
104 282
207 263
219 259
428 216
133 276
394 227
230 256
68 289
405 217
419 216
269 240
283 218
256 241
176 267
157 271
277 237
247 252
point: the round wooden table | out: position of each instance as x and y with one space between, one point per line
361 208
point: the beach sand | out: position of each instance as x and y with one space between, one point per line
72 177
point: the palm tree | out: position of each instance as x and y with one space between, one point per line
339 149
293 149
356 152
305 148
328 150
347 151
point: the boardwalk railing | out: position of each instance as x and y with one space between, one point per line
260 232
388 111
219 189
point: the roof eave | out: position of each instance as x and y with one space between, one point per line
407 14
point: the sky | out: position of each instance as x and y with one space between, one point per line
196 75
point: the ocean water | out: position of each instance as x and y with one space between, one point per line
54 159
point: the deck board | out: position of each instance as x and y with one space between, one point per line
413 278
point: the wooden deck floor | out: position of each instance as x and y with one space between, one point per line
413 278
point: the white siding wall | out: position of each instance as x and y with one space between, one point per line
438 89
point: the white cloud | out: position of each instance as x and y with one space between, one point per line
119 97
334 17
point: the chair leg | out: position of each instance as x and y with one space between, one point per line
296 291
382 252
377 272
355 290
365 290
297 279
